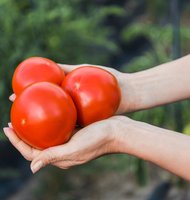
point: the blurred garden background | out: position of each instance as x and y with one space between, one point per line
129 35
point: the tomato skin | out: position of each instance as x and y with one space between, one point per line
43 115
95 92
36 69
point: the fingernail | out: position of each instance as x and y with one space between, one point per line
10 125
6 131
36 167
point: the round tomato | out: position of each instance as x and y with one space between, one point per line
36 69
43 115
95 92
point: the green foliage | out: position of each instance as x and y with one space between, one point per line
157 9
160 39
1 136
75 32
186 129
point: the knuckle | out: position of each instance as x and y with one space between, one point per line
50 156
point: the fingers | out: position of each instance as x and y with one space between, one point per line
12 97
27 152
46 157
10 125
69 68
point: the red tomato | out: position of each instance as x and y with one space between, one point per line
95 92
43 115
36 69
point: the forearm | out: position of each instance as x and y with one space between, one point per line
160 85
168 149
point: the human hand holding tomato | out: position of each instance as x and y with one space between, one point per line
95 93
96 127
84 146
129 97
127 103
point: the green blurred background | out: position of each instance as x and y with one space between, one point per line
129 35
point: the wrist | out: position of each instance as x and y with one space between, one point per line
120 128
140 90
131 94
128 136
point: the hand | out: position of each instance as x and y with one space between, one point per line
128 103
88 143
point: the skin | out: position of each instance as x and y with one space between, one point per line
157 86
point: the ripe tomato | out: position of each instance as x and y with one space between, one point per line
95 92
43 115
36 69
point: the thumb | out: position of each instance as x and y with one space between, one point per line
69 68
46 157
